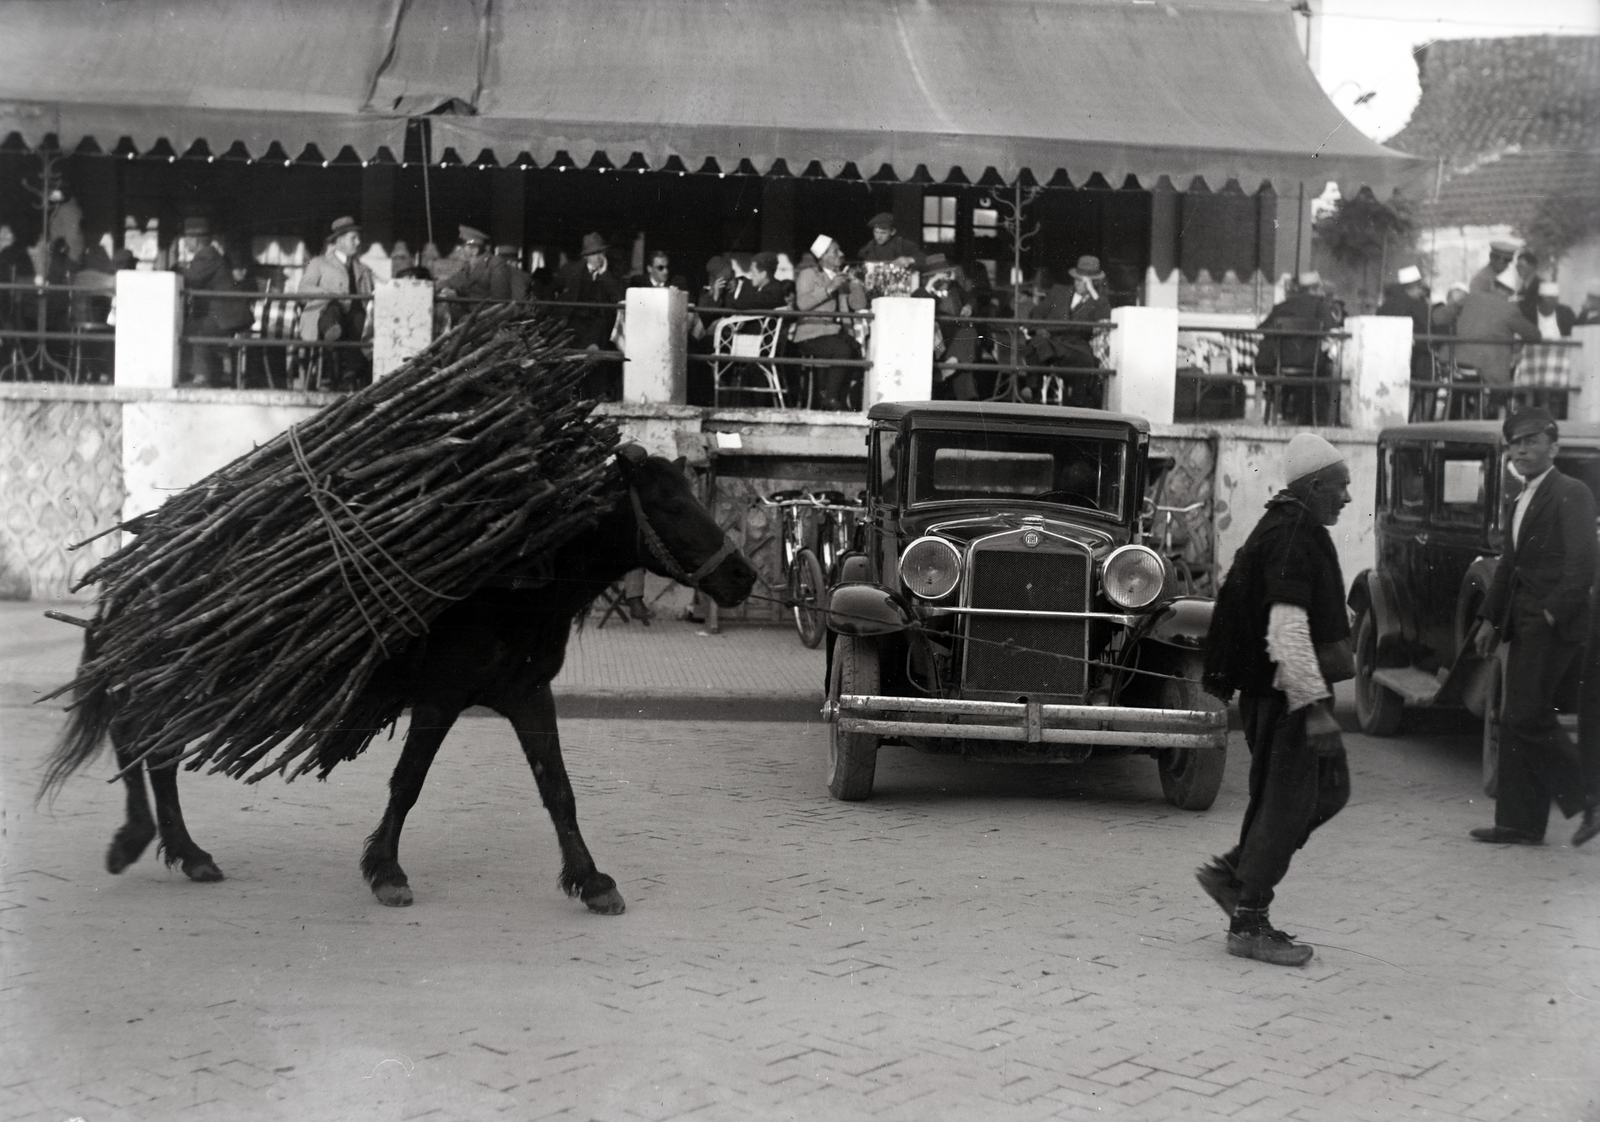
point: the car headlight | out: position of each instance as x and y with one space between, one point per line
1134 576
930 568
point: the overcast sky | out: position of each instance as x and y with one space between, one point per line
1367 45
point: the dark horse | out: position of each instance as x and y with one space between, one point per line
500 647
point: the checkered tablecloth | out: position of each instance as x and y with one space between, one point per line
1544 366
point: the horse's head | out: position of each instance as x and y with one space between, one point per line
677 537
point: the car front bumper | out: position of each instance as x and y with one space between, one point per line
1030 722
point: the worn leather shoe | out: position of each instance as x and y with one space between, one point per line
1268 944
1504 835
1589 827
1220 883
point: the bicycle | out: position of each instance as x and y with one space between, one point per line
836 531
803 575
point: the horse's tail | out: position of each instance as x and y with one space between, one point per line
88 722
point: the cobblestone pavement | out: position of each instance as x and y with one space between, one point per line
975 942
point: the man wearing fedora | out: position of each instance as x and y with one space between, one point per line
823 285
484 275
1084 301
337 272
887 245
591 280
207 270
954 344
1538 601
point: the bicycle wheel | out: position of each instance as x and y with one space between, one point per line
806 590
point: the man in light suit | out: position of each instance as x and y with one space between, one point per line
338 272
1539 600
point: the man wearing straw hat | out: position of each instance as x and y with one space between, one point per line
1280 636
826 286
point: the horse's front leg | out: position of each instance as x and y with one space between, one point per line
533 713
380 862
176 844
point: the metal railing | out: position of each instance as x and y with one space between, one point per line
1538 373
1034 360
1222 375
56 333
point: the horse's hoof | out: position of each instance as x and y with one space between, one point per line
393 895
125 850
608 903
204 871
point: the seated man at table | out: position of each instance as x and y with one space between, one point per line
887 245
1084 301
822 283
1490 324
1309 309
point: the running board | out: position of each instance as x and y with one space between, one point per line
1418 687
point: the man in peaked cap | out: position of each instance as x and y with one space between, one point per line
485 276
1502 253
1539 602
1280 636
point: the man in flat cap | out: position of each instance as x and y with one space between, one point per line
338 272
886 245
1280 635
1539 602
484 276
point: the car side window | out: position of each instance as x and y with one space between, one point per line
1462 486
1408 478
885 465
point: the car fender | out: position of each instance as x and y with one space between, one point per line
1374 592
1182 623
854 567
866 609
1474 587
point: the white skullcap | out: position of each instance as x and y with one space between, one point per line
820 246
1410 275
1310 279
1308 453
1509 277
1549 288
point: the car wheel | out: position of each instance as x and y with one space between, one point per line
852 756
809 589
1491 729
1191 777
1379 710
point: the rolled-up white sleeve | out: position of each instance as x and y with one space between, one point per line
1299 674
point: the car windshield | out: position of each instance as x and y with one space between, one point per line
1072 469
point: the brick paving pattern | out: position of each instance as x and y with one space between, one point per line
975 942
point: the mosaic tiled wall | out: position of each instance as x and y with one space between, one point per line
60 482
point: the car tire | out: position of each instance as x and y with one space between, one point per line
1191 777
1491 729
810 587
1379 710
852 756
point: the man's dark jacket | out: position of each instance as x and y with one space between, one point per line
1308 310
1289 558
591 326
1565 316
1554 560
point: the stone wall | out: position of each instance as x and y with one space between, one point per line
60 483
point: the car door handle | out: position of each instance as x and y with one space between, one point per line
1420 539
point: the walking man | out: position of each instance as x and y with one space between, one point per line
1539 601
1281 637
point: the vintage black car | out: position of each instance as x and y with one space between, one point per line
1444 496
1003 606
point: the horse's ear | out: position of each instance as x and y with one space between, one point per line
680 465
630 456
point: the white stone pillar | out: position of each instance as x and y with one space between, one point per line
149 321
655 347
402 322
1585 404
901 350
1144 354
1377 363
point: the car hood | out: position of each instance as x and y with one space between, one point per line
967 527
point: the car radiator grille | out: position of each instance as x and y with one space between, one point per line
1020 655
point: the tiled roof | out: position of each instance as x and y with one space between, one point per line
1484 96
1515 120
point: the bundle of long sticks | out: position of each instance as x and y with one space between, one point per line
250 609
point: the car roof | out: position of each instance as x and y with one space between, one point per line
1485 432
1000 411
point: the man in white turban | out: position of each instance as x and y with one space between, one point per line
1280 636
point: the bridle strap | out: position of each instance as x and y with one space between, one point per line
658 548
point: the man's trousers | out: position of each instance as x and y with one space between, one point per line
1537 759
1293 790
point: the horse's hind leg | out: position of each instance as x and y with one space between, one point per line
533 713
380 862
139 828
176 844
